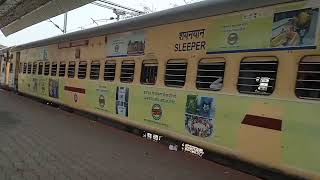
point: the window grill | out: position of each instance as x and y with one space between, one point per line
109 70
46 68
29 68
176 73
34 68
127 71
82 70
24 68
258 75
54 67
40 68
210 74
62 69
95 70
308 79
71 69
149 72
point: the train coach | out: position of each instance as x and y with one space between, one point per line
8 74
237 77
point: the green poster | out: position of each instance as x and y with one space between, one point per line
155 106
101 96
243 31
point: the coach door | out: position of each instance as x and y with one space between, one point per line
3 72
1 59
16 71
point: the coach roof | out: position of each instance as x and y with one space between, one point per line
183 13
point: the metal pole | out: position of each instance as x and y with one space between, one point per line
65 23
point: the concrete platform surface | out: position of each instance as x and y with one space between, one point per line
42 142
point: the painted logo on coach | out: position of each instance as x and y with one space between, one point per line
156 112
102 101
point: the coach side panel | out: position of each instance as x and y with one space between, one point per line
270 130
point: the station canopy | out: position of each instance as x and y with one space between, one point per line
16 15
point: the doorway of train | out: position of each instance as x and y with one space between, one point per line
16 70
3 70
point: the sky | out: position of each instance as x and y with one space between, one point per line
81 17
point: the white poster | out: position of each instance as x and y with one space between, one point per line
126 44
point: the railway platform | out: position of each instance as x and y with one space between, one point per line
41 142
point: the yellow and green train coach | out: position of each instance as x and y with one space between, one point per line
240 78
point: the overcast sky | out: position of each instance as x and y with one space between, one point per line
81 17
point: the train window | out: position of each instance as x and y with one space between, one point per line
95 70
308 80
210 74
46 68
176 73
34 68
40 68
54 67
62 69
149 72
71 69
24 68
127 71
258 75
109 70
29 68
82 70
